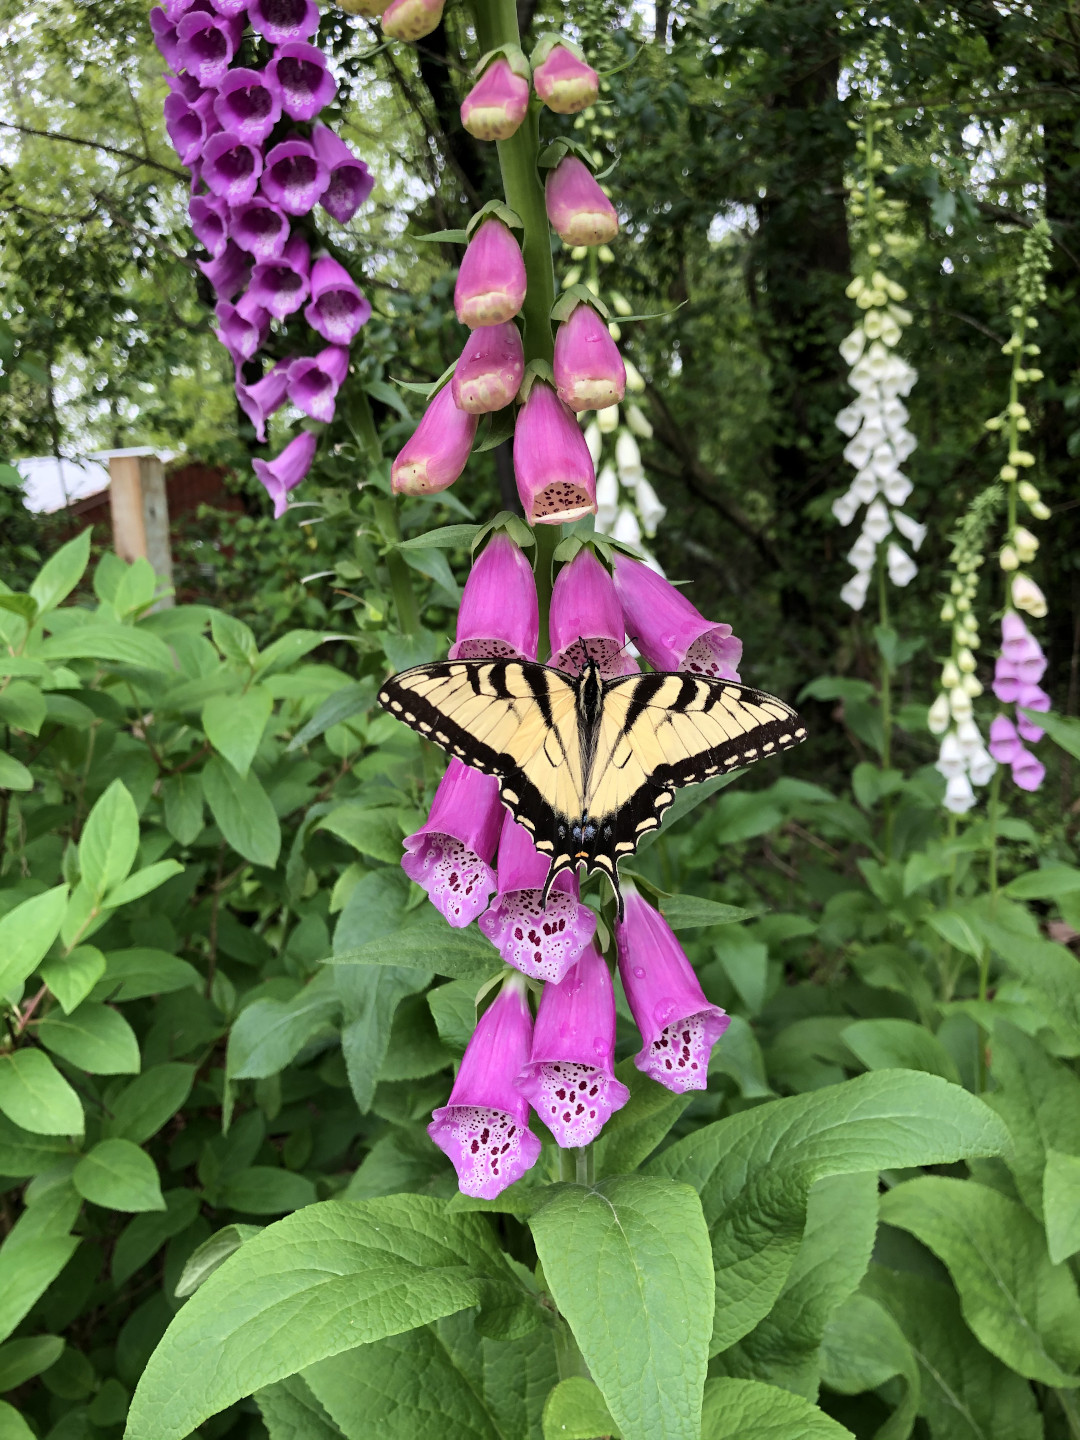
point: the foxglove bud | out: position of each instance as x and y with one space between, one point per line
554 469
351 182
496 105
259 228
411 19
1027 596
579 211
499 615
436 453
248 104
589 372
283 474
294 178
303 80
451 854
564 82
668 630
939 715
489 372
490 286
315 380
338 308
282 21
585 612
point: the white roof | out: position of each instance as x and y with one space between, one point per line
50 484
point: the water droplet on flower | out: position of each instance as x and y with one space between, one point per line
639 971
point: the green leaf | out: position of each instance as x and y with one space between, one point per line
243 810
266 1190
133 974
120 644
94 1038
142 882
21 1360
289 648
26 932
13 773
370 997
234 725
754 1170
957 930
1039 1099
325 1279
143 1107
110 840
291 1412
12 1425
688 912
72 977
62 572
233 638
428 943
23 605
377 833
26 1272
36 1096
633 1133
1064 730
1042 965
750 1410
1024 1309
342 705
862 1349
899 1045
22 1153
211 1255
1061 1205
628 1266
1048 883
119 1176
22 706
143 1237
269 1034
575 1410
446 537
182 799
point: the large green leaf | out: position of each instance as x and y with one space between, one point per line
110 840
119 1176
121 644
751 1410
1061 1205
291 1412
1038 1097
321 1281
428 943
575 1410
370 996
1022 1308
862 1349
268 1034
94 1037
754 1170
234 725
26 932
27 1270
628 1265
62 572
143 1107
243 811
36 1096
899 1044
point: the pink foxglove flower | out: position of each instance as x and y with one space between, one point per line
570 1078
668 630
1027 771
437 451
281 286
259 228
411 19
338 309
554 470
205 44
315 380
451 854
564 82
281 21
351 182
678 1024
242 327
248 104
490 286
229 272
185 128
542 941
259 401
589 371
484 1127
499 615
496 105
284 473
302 78
489 371
210 223
231 167
294 178
1031 697
579 211
166 39
585 611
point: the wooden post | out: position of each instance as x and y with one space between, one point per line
140 512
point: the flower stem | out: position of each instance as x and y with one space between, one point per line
992 880
547 537
585 1166
886 701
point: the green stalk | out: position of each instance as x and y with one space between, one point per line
585 1165
886 706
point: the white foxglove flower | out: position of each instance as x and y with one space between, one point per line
909 528
854 592
862 554
960 704
638 421
981 767
894 416
959 796
904 444
849 419
902 569
857 452
1026 595
896 488
938 716
845 507
877 523
649 507
608 419
594 440
628 458
626 529
890 330
607 499
851 347
951 760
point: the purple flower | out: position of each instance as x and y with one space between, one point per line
564 82
666 628
678 1025
436 453
451 854
570 1078
315 381
1005 745
579 211
283 474
496 105
294 177
489 371
206 43
351 182
259 401
259 228
242 327
187 86
554 470
1031 697
411 19
281 21
228 272
490 286
337 308
185 128
589 371
165 38
303 81
499 614
177 9
248 104
484 1127
281 286
1027 771
1021 663
232 8
231 167
209 216
585 608
541 941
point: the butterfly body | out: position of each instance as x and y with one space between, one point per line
589 765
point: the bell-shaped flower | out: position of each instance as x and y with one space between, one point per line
284 473
411 19
845 507
564 82
166 39
489 370
555 477
876 523
490 287
858 451
678 1024
585 612
594 439
1021 649
243 327
248 104
437 451
849 419
185 127
499 615
451 854
259 228
228 272
589 372
294 178
667 629
896 487
259 401
570 1078
484 1127
1027 596
854 592
303 79
1005 743
231 167
205 44
281 286
338 309
959 796
649 506
315 381
1031 697
902 569
628 458
542 941
177 9
607 419
1027 771
282 21
496 105
579 211
951 758
939 715
638 421
981 767
607 499
863 553
627 528
1006 684
851 347
350 183
210 222
909 528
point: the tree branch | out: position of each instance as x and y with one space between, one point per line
97 145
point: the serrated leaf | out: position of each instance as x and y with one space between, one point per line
26 932
119 1176
234 725
36 1096
243 811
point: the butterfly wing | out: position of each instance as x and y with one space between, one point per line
508 718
